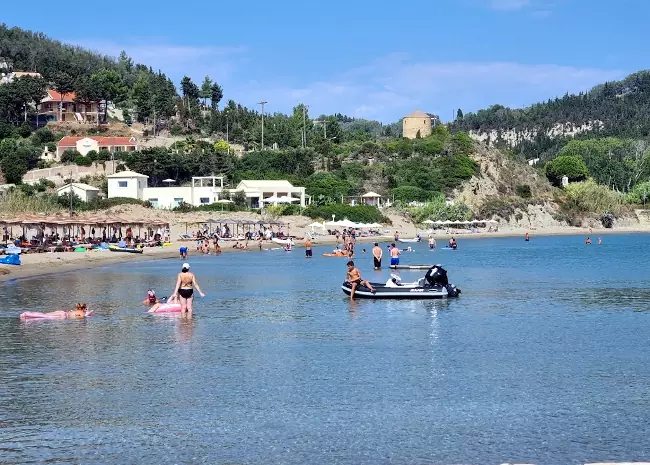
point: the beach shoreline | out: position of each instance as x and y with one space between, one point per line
44 264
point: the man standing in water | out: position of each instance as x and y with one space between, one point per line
377 253
308 252
354 278
394 255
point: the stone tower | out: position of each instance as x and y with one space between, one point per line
414 122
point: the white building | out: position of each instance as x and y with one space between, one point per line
83 145
256 191
83 191
203 190
127 184
371 198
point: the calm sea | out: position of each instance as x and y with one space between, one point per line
543 359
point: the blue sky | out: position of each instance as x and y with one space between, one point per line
377 60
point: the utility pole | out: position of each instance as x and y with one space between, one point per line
70 193
263 102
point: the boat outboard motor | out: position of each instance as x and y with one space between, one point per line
437 276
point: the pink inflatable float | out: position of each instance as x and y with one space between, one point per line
59 315
165 308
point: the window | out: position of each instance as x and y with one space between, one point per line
154 202
204 200
122 183
178 201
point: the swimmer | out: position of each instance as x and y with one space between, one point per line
394 255
172 300
452 243
184 290
600 240
151 298
588 241
526 237
308 251
80 311
432 242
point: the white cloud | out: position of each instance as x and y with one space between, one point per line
393 86
384 89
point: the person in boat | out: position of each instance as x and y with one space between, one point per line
377 254
453 244
588 240
308 251
354 278
394 255
184 290
526 237
432 242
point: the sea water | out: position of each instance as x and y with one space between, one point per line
544 358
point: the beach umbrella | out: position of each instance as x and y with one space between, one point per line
272 199
287 199
169 181
428 222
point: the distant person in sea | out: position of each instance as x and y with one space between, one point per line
526 237
396 236
184 290
453 244
377 254
394 255
308 251
183 252
432 242
353 277
600 240
588 240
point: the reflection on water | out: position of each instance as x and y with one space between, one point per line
543 359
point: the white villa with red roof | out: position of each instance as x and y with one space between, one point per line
83 145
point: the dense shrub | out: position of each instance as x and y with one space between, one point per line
591 197
359 213
410 194
523 191
212 207
82 161
571 166
437 209
69 156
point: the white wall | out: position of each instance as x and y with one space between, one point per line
84 195
167 197
133 189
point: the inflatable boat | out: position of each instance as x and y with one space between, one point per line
409 241
434 285
283 241
411 267
113 248
58 315
167 308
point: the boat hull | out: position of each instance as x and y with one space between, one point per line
400 292
410 267
127 250
408 241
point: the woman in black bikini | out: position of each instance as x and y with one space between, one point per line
184 289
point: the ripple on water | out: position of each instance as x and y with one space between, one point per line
543 359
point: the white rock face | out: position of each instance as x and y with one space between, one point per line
513 137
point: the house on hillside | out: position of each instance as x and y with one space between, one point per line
83 145
418 122
57 107
85 192
8 78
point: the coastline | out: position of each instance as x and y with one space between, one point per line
44 264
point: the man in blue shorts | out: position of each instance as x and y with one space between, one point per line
394 255
183 252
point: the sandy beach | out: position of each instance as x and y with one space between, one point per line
49 263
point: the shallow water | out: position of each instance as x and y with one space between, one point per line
543 359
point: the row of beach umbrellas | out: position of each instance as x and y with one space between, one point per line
40 220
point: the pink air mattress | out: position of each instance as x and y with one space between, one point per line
59 315
167 308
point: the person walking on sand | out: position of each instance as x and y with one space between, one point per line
308 252
184 290
377 253
353 277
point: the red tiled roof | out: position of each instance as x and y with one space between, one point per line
69 141
54 95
